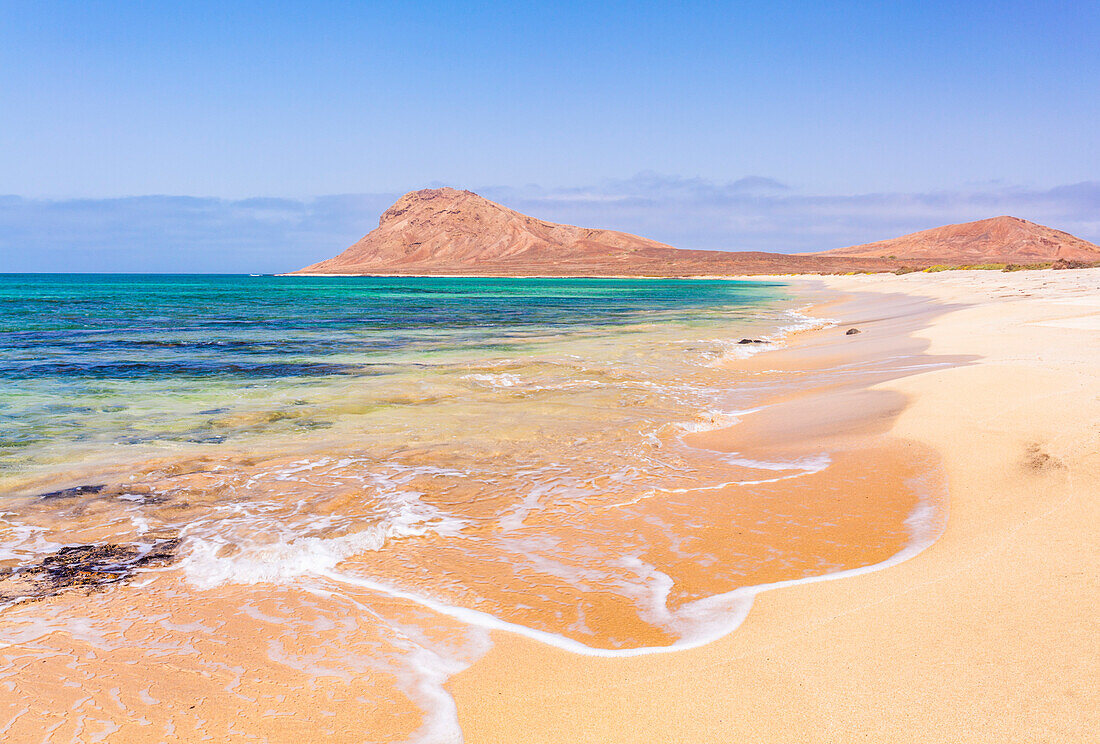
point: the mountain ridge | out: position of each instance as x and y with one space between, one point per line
447 231
1002 239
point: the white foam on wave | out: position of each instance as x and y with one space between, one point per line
23 541
424 668
808 464
804 322
732 349
430 671
714 420
496 379
792 469
509 380
207 566
696 623
287 549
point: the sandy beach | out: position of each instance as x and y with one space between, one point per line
550 373
876 523
989 634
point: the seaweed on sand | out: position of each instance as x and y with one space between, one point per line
88 567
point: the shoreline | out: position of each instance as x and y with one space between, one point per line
729 438
837 462
784 545
755 682
688 277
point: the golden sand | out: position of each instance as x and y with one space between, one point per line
988 635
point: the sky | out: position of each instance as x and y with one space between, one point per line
242 136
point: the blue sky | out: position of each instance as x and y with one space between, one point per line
261 136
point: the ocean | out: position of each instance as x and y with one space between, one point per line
319 495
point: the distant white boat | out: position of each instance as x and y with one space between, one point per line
255 274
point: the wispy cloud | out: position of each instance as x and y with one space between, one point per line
762 214
193 234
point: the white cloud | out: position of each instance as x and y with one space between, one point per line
762 214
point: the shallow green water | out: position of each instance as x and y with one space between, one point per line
353 480
97 368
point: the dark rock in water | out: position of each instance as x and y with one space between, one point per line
84 566
71 493
851 332
751 341
162 552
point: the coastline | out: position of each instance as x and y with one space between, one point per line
833 490
982 636
685 277
251 592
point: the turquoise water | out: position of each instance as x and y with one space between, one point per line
91 365
353 477
352 480
127 326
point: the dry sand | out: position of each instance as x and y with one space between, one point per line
990 634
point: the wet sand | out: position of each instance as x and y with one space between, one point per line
935 391
987 635
231 643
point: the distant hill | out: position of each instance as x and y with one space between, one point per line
447 231
996 240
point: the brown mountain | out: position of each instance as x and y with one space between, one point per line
996 240
447 231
